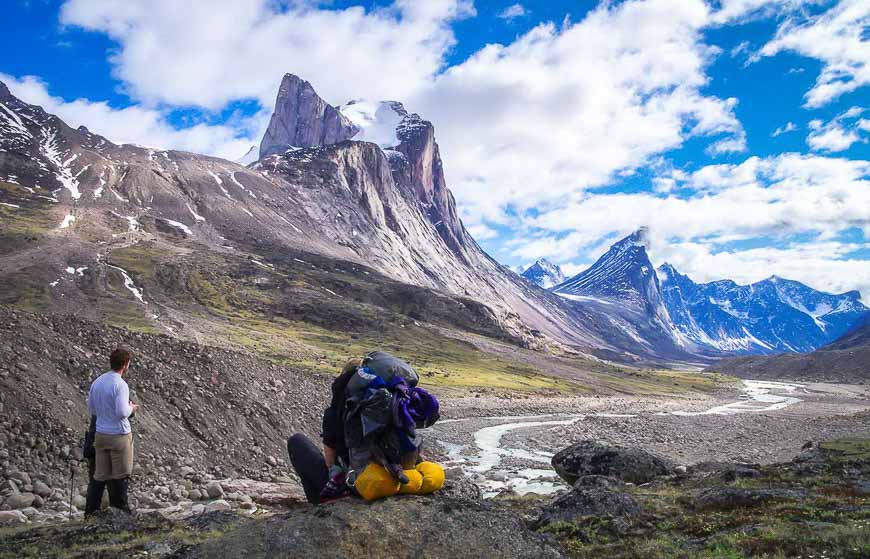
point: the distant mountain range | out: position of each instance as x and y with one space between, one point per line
771 316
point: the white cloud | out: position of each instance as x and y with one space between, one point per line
731 11
139 125
837 38
512 12
785 129
839 134
566 108
209 53
775 197
732 144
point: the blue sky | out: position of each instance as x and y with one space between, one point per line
563 124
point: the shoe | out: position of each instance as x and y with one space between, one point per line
335 488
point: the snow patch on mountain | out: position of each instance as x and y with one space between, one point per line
377 121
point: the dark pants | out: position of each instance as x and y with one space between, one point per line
307 460
118 489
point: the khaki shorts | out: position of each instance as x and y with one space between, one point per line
114 458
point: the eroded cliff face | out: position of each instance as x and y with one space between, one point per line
302 120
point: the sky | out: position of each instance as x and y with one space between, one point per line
736 130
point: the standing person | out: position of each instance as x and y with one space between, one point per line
109 401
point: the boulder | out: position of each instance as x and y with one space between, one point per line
591 496
21 477
736 497
41 489
20 500
633 465
218 505
12 517
401 526
214 490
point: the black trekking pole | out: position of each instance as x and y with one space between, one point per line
72 477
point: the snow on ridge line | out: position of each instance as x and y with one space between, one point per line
220 183
64 176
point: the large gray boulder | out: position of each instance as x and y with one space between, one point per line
303 120
633 465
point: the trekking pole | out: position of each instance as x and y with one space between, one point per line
72 477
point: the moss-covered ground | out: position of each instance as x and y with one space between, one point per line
831 521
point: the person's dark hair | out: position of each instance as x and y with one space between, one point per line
119 358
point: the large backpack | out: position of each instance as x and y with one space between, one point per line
381 365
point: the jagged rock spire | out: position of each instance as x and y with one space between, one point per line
303 119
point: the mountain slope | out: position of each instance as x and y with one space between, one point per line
544 273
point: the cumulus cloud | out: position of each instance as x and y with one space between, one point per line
836 37
567 108
512 12
780 196
140 125
209 53
838 134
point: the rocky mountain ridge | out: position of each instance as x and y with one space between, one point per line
544 273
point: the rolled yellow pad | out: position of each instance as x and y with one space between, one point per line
375 482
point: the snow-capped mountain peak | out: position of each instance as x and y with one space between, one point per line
544 273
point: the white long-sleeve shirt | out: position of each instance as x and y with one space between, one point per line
109 400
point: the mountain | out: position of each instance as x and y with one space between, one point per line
770 316
845 360
622 284
544 273
303 120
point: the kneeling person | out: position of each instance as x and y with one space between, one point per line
370 442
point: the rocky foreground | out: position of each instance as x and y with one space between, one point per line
623 502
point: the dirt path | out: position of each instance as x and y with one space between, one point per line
510 447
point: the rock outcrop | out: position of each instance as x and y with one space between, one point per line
302 119
591 496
